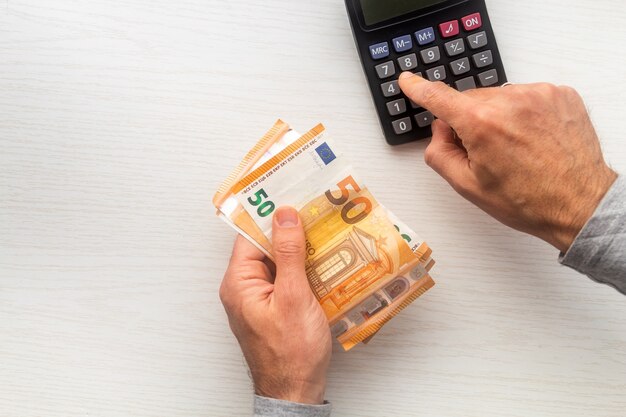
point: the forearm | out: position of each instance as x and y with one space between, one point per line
599 251
269 407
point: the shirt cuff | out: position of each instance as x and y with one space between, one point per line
270 407
598 250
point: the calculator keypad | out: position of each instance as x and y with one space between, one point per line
425 36
477 40
391 89
449 29
430 55
436 74
465 84
472 22
424 119
386 70
488 78
465 50
402 126
407 62
403 43
460 66
455 47
396 107
483 59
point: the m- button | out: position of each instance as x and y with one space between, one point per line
403 43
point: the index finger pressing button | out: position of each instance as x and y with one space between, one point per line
442 101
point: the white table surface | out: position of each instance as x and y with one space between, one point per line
119 118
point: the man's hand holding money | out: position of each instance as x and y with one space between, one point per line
277 320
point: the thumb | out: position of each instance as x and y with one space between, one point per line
446 156
289 246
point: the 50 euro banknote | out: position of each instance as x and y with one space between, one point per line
363 265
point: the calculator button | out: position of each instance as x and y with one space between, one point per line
431 55
425 36
396 107
380 50
407 62
483 59
402 126
437 73
472 22
449 29
386 70
390 89
465 84
460 66
403 43
455 47
488 78
424 119
477 40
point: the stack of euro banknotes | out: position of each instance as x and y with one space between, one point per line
363 264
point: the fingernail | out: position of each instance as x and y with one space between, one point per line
406 75
287 217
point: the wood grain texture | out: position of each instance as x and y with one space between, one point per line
119 118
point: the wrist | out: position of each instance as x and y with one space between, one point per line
303 392
581 209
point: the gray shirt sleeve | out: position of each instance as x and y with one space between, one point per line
599 251
269 407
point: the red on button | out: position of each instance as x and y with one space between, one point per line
449 29
472 22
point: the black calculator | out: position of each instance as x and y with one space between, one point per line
441 40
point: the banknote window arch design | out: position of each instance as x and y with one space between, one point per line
345 258
347 266
336 264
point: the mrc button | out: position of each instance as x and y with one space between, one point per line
380 50
472 22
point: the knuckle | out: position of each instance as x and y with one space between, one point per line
548 90
482 116
570 93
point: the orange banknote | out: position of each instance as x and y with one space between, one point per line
363 264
